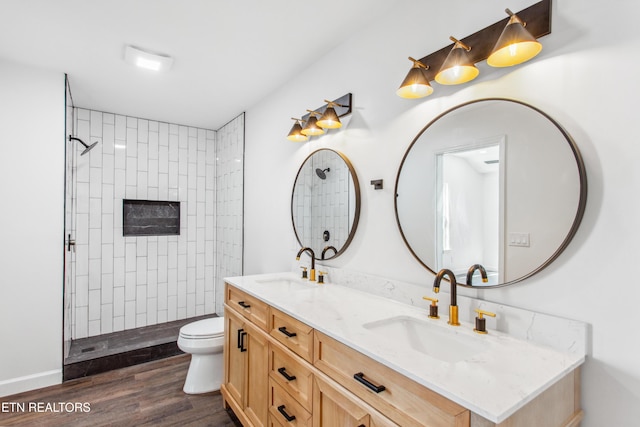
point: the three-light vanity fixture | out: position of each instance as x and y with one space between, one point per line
316 121
455 64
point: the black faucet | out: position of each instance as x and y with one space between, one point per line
472 270
453 307
312 273
327 248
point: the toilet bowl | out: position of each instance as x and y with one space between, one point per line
204 340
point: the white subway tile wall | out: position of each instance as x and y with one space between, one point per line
229 208
127 282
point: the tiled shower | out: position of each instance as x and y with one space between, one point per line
121 282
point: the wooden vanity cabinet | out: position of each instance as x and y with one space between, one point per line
246 369
277 367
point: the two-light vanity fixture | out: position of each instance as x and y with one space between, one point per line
316 121
455 64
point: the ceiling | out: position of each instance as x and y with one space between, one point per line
228 54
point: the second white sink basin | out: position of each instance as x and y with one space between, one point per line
436 341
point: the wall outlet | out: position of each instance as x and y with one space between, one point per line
519 239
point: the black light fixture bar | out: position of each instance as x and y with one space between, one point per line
342 107
536 16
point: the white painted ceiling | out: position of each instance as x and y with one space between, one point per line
228 54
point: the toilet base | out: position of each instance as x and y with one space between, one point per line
205 373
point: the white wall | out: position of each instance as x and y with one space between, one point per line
32 214
578 79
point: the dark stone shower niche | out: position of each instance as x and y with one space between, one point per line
150 218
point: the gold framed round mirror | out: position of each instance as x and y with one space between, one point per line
325 203
495 182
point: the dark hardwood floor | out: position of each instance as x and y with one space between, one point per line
149 394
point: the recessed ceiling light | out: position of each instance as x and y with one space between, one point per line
147 60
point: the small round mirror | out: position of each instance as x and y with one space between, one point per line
494 182
325 203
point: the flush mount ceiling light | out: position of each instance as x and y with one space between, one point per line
295 134
515 45
312 128
147 60
458 68
416 84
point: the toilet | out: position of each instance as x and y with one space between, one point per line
204 340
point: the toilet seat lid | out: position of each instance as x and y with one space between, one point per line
206 328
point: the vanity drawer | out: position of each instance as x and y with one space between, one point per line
293 334
283 407
402 400
251 308
292 374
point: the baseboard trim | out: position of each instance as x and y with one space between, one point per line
30 382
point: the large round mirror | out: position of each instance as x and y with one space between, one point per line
325 203
494 182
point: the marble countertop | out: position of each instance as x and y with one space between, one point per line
492 375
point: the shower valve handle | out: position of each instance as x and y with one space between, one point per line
70 243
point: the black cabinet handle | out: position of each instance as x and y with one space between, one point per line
360 378
242 336
243 304
285 415
288 377
240 331
283 329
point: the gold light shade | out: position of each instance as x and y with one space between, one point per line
329 119
295 134
457 68
515 45
416 84
311 128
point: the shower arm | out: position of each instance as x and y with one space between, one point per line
73 138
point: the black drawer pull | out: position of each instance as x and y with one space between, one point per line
288 377
242 347
240 331
360 378
243 304
285 415
283 329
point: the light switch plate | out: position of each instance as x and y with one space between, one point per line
519 239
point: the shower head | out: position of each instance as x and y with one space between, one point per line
321 173
87 148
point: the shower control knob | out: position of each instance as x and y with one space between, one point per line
71 243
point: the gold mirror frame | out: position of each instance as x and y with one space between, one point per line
580 208
356 211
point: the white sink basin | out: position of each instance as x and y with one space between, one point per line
437 341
